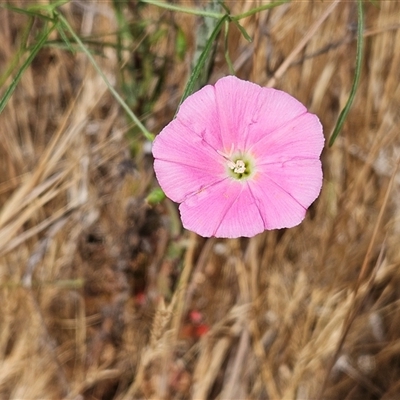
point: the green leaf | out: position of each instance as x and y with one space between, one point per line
29 12
242 31
66 40
16 59
35 50
235 21
156 196
202 59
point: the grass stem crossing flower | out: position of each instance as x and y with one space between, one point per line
240 159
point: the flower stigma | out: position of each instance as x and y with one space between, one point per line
239 167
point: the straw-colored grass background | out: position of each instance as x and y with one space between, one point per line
105 297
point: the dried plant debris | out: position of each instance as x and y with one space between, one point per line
105 296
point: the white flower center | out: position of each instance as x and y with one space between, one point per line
239 167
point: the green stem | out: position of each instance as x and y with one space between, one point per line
193 11
16 59
203 13
258 9
120 100
357 74
227 57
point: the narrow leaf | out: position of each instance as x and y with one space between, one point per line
10 90
29 12
202 59
242 30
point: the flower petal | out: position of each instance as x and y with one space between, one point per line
237 101
184 163
300 138
301 179
180 181
285 191
226 209
277 207
247 112
199 114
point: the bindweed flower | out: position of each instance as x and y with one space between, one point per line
240 159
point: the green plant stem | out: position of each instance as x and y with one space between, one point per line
258 9
204 13
28 12
193 11
120 100
357 74
227 57
16 59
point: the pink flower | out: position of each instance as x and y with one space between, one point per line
240 159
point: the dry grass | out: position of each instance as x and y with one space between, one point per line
104 297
